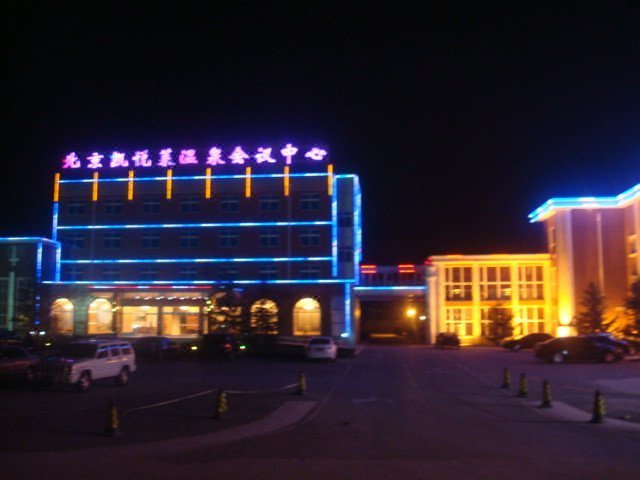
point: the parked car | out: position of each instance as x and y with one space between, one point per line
320 347
218 345
156 348
82 362
526 341
16 363
580 348
447 339
629 348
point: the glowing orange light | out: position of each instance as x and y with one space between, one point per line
169 183
56 187
94 195
286 181
130 186
330 179
247 184
207 183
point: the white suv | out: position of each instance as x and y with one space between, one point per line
83 361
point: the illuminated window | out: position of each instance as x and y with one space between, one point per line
181 320
189 239
100 317
61 316
190 205
531 282
112 207
229 203
151 205
112 240
76 208
458 283
530 320
310 202
309 237
269 203
140 320
306 317
460 321
150 239
495 283
269 238
264 317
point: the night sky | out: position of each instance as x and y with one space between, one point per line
459 122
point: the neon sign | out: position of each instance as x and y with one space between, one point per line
165 157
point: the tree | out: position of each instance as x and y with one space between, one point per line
590 318
500 322
225 313
632 303
264 320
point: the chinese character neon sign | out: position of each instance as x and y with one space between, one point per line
214 156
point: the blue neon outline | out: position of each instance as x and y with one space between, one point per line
334 227
357 225
39 263
197 260
58 261
28 240
193 177
54 226
197 225
347 309
364 289
169 283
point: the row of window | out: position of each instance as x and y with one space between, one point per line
113 273
526 320
309 202
495 283
307 237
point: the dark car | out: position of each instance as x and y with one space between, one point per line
16 363
526 341
156 348
447 339
218 346
581 348
629 348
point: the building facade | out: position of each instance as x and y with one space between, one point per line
181 251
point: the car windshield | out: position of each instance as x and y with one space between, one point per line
320 341
78 350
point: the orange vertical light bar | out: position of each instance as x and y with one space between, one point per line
169 183
207 183
56 187
330 179
247 183
94 196
286 181
130 186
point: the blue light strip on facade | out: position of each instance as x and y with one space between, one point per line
58 261
357 225
196 225
201 260
194 177
380 289
334 228
171 283
27 240
39 263
347 310
54 227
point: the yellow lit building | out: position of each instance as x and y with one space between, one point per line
463 288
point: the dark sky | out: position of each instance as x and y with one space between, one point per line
459 121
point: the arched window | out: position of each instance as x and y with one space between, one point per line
100 318
61 316
264 316
306 317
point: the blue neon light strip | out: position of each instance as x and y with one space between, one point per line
334 228
196 225
169 283
357 225
373 289
39 263
193 177
347 309
27 240
547 208
54 227
58 261
200 260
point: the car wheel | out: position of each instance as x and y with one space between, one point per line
29 375
608 357
557 358
123 377
85 382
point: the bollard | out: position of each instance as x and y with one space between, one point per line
221 405
546 395
598 408
113 420
302 385
522 390
506 378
